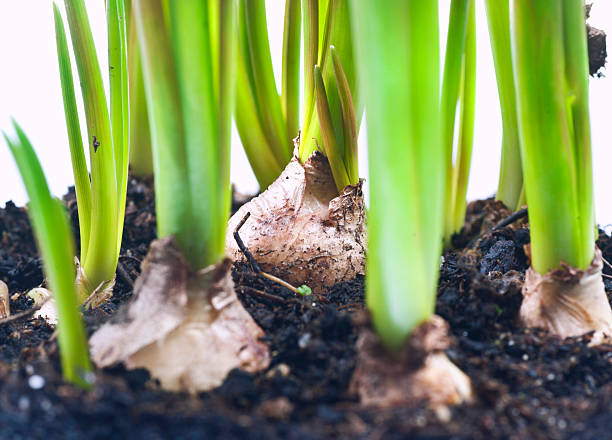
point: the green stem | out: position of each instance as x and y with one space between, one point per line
172 191
265 91
79 166
100 261
461 169
511 172
399 58
552 148
118 79
291 66
311 51
141 157
451 93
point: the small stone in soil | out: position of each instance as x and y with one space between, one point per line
36 382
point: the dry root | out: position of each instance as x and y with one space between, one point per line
420 373
188 329
301 230
567 301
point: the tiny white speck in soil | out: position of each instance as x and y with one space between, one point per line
304 340
24 403
525 357
36 382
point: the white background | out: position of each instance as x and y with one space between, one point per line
30 92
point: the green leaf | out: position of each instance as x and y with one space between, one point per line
555 144
119 101
264 163
190 147
100 261
349 122
54 238
336 31
333 149
141 157
291 66
265 91
458 86
311 58
461 169
510 183
172 190
79 166
304 290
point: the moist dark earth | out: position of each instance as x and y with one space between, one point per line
527 384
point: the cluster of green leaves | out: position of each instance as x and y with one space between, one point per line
551 76
267 122
544 96
55 243
101 200
188 63
339 136
329 76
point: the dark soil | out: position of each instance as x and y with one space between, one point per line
596 47
527 383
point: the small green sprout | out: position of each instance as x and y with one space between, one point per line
304 290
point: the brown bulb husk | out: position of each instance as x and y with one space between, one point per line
5 305
568 301
92 296
188 329
301 230
419 373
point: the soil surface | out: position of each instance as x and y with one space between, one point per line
528 384
596 47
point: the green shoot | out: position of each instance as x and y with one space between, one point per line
141 158
339 137
79 167
326 24
458 86
291 66
406 161
267 123
262 117
188 68
511 172
54 237
304 290
101 218
551 74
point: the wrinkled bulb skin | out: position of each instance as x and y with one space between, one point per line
567 301
301 230
178 320
419 371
